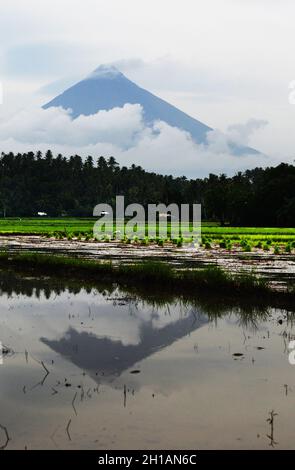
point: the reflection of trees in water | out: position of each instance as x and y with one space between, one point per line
16 284
249 313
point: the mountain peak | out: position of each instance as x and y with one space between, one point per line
107 88
108 71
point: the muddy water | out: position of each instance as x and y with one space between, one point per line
98 369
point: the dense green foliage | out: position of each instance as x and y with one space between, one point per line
70 187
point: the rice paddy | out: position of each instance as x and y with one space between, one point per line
268 239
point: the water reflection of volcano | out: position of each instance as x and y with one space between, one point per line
112 357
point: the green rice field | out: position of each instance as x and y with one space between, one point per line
213 235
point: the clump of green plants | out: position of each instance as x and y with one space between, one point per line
288 248
243 242
88 236
258 244
179 242
145 241
229 245
247 247
160 241
70 236
206 242
222 243
265 247
276 250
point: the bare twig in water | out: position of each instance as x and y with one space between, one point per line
6 436
52 436
82 393
45 376
27 356
270 420
73 403
68 429
44 367
124 396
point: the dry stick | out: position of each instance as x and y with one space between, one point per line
67 429
270 420
82 393
45 376
43 365
7 437
53 434
73 403
124 396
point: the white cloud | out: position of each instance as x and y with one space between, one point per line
121 133
239 134
54 126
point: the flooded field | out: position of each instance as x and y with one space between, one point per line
103 369
278 269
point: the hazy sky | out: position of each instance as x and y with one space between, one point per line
222 61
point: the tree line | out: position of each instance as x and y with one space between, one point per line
60 186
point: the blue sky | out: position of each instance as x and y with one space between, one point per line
223 62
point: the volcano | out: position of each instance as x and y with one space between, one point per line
107 88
